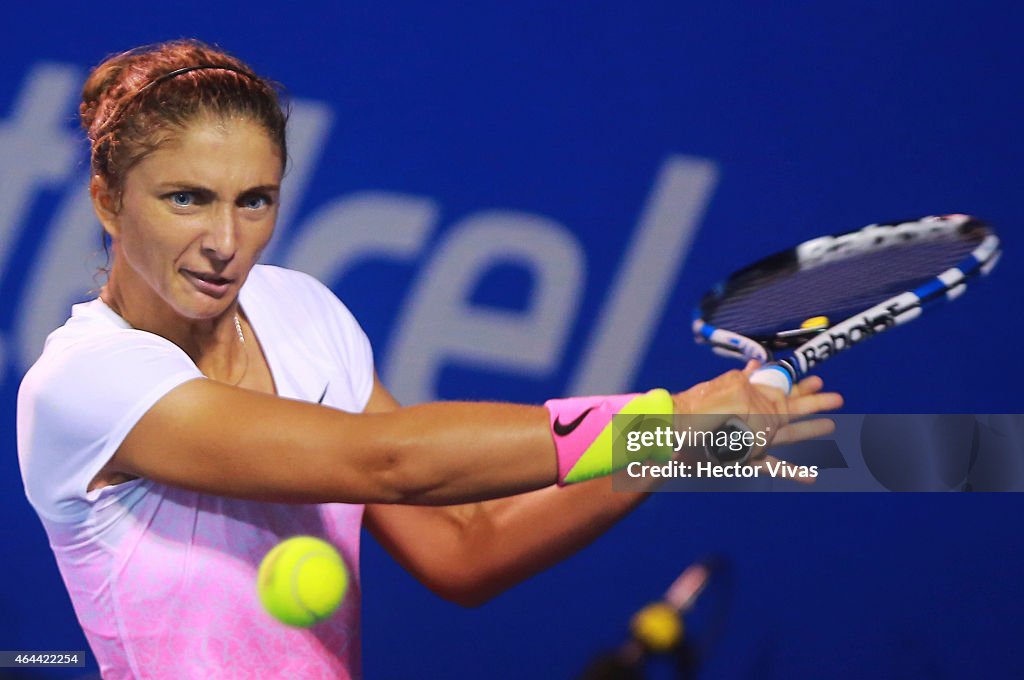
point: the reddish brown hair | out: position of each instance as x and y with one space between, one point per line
131 100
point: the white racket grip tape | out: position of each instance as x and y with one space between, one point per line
773 375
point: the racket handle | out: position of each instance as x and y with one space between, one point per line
773 375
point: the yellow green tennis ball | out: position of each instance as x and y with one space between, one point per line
658 626
302 581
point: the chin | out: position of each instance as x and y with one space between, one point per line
198 306
194 309
211 311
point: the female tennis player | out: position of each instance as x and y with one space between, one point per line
205 407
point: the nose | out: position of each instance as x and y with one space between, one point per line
220 242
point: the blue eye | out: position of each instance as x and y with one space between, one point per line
255 202
181 199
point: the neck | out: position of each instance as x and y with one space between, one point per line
216 345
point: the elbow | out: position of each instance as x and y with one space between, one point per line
470 601
466 593
467 581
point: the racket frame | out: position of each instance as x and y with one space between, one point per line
826 342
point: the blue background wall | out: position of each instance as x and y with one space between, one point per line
721 132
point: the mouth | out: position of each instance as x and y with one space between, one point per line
211 284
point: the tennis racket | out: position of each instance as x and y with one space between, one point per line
800 307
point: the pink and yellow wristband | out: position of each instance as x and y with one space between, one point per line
582 430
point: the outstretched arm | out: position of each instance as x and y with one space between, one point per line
470 553
224 440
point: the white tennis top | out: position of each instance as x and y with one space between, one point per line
162 579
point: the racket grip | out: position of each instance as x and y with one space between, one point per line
773 375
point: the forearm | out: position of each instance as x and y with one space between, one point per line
460 452
511 539
469 553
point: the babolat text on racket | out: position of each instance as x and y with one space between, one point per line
802 306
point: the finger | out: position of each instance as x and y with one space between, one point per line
809 385
772 403
815 403
804 430
752 365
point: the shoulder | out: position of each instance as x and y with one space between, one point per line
266 278
95 345
93 365
311 322
94 380
295 294
93 370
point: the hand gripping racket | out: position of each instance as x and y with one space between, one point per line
802 306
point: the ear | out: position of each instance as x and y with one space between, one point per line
104 202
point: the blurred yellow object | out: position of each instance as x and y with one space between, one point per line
658 626
815 322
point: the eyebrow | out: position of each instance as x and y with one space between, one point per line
188 186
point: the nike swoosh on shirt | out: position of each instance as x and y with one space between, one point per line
565 429
321 399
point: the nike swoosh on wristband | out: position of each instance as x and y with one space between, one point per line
563 430
321 399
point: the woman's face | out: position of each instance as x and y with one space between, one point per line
195 215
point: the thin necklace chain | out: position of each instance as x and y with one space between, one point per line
245 349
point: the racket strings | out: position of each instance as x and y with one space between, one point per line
762 303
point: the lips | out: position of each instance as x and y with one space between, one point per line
211 284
